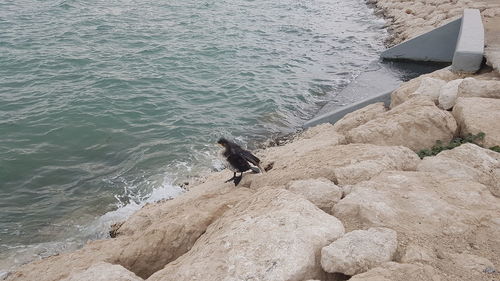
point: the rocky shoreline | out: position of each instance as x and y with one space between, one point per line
349 201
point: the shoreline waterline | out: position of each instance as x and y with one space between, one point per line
125 177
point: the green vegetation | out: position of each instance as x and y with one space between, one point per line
495 148
439 146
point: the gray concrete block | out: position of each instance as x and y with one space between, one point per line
470 45
436 45
337 114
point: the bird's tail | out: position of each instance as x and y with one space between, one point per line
261 169
257 170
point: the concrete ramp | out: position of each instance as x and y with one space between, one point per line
470 46
437 45
460 42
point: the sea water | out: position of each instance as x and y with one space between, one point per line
108 104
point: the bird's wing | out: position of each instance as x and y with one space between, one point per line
247 155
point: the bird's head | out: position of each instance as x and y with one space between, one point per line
223 142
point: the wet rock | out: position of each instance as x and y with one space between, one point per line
152 237
273 235
359 251
475 115
416 124
104 272
321 192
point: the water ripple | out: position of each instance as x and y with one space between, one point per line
101 99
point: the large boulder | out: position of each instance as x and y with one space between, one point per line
273 235
321 192
416 124
408 89
341 164
432 213
475 115
359 117
429 87
469 162
313 139
448 94
471 87
154 236
417 202
359 251
103 271
392 271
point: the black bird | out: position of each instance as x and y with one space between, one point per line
238 160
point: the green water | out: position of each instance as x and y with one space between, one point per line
104 102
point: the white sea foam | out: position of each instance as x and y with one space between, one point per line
101 226
14 256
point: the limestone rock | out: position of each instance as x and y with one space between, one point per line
359 251
341 164
392 271
417 203
472 262
321 192
104 272
408 89
471 87
359 117
429 87
416 124
491 12
448 94
475 115
469 162
273 235
154 236
415 253
346 189
313 139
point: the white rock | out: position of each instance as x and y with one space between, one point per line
321 192
359 251
341 164
359 117
416 124
273 235
104 272
429 87
448 94
152 237
408 89
417 203
471 87
475 115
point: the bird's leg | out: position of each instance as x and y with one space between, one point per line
238 179
234 177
